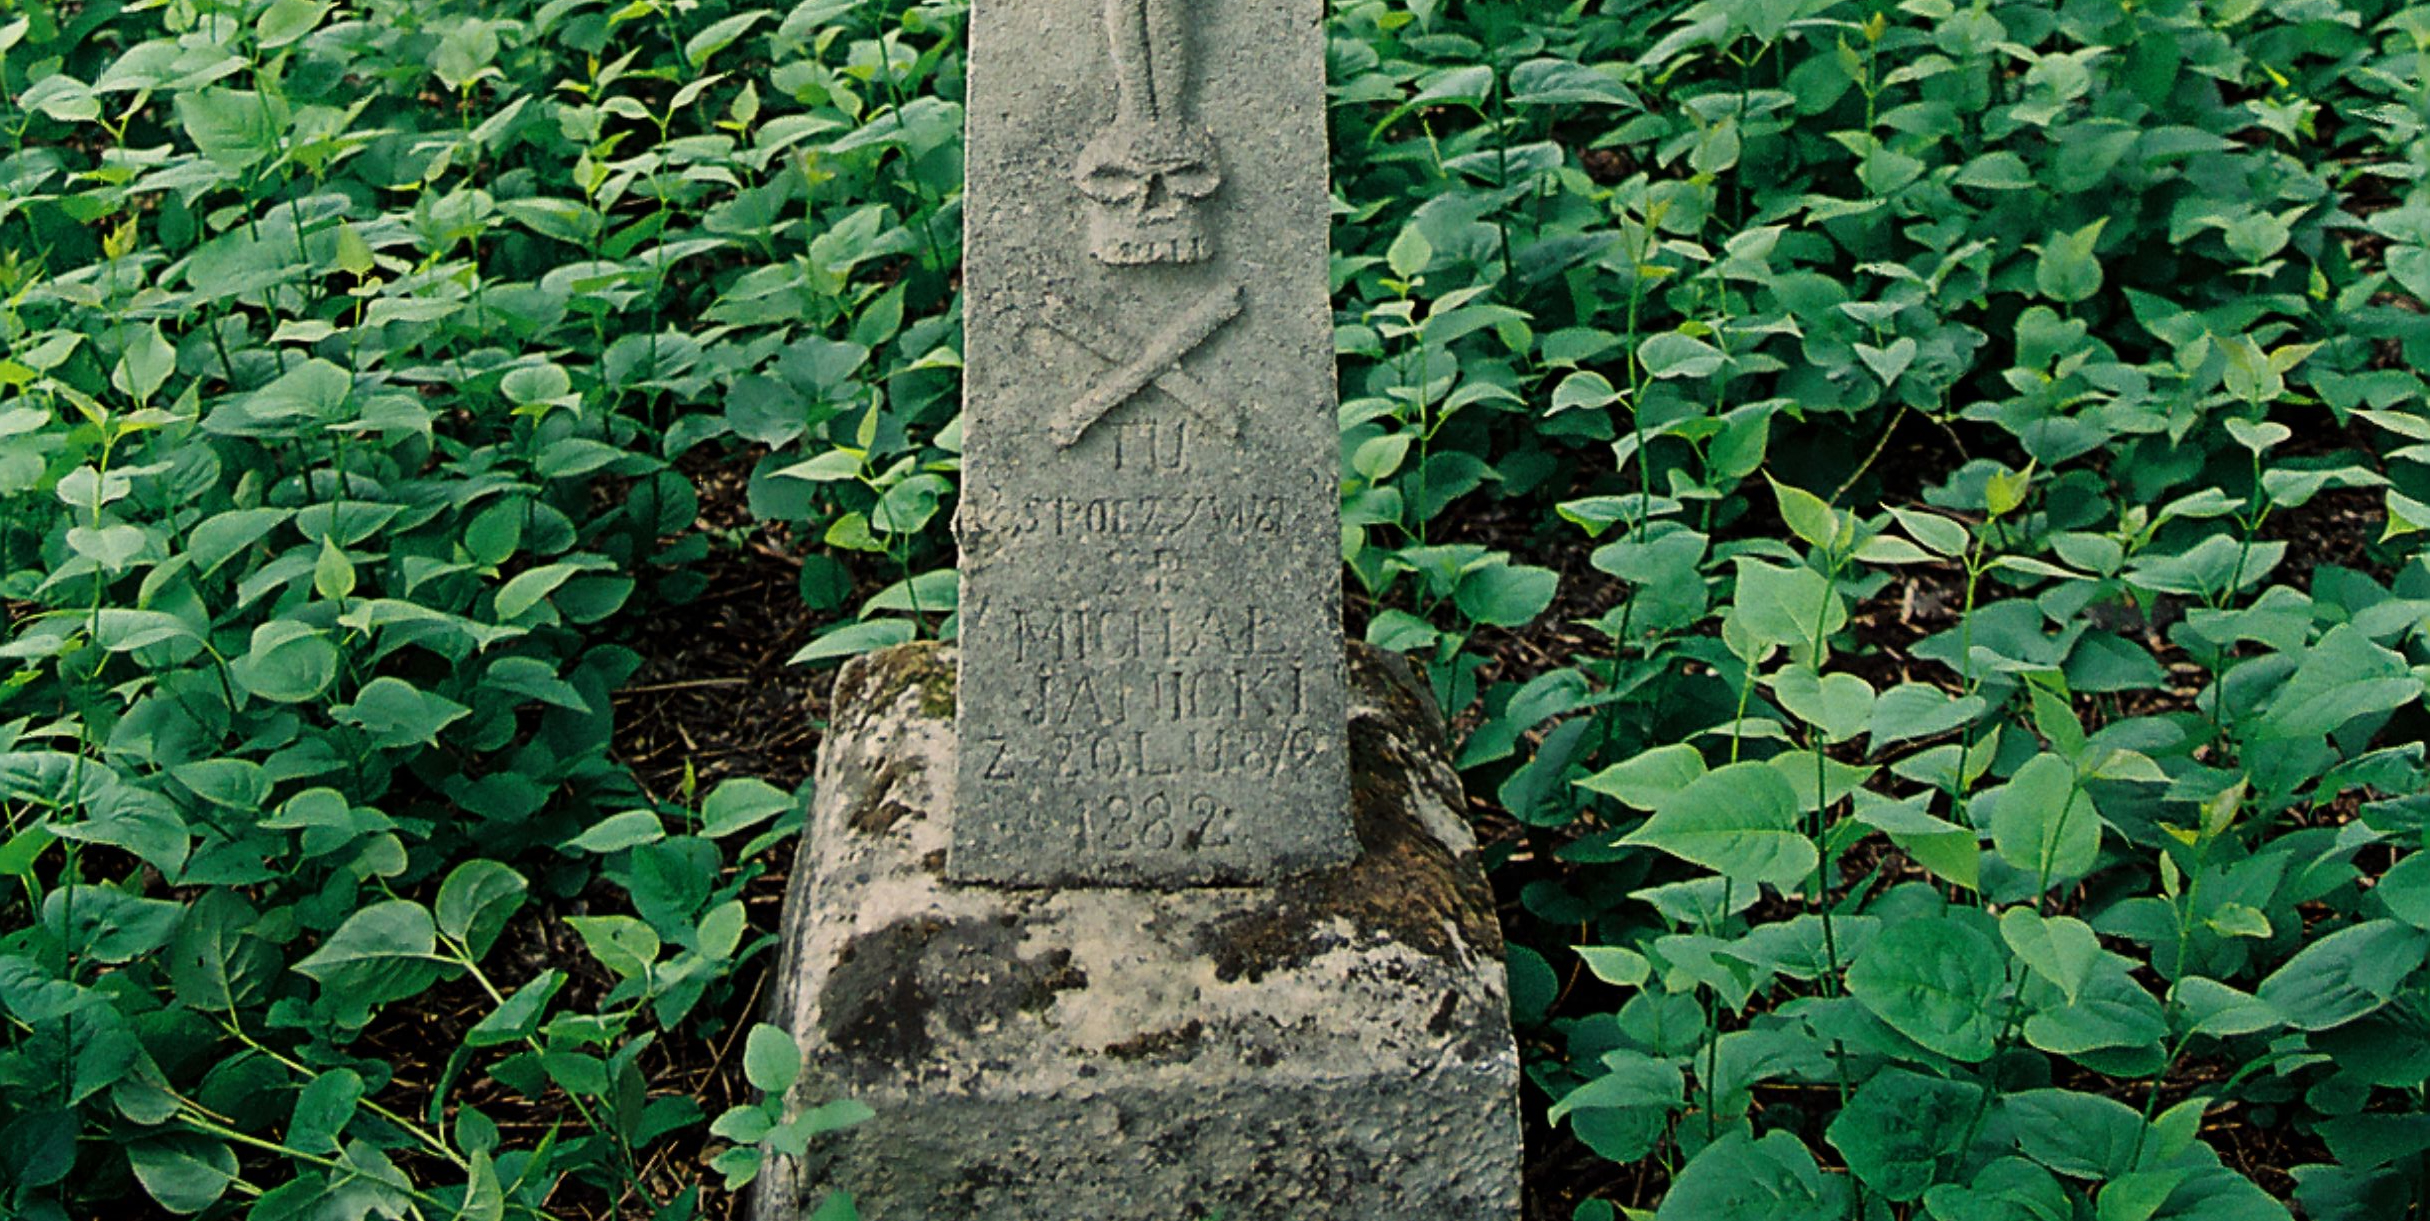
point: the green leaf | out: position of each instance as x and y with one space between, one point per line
719 35
2061 949
2405 890
2214 1008
854 639
396 929
2000 170
618 832
113 548
313 391
1533 985
1629 1079
140 822
1583 389
2044 824
741 803
2345 975
1559 82
1644 779
1840 706
1671 354
107 924
1741 1179
1806 514
1740 821
145 364
527 588
2111 1012
519 1017
1887 363
2258 437
185 1172
2238 920
286 663
1936 982
1410 254
907 506
476 901
2342 677
213 965
1918 710
1934 531
2080 1135
1506 595
332 573
1900 1127
771 1060
484 1196
322 1111
287 20
622 944
38 1147
2069 271
2009 1189
1377 457
831 466
1615 965
397 714
219 537
1784 606
1949 851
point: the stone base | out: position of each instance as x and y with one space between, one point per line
1332 1046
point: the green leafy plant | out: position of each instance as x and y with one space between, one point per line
1958 822
349 355
1915 509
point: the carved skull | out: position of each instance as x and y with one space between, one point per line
1146 185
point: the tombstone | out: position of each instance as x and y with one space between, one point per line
1152 684
1148 900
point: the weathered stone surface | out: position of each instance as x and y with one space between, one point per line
1152 682
1335 1045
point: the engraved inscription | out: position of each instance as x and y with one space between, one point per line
1148 174
1159 759
1161 517
1157 821
1152 446
1042 635
1158 360
1105 698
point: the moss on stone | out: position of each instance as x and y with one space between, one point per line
870 684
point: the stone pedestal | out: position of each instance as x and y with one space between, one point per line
1335 1045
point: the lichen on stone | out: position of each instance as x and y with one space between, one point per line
880 805
1165 1043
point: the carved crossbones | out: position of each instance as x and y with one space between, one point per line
1157 362
1147 174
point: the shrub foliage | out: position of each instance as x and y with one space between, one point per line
1917 507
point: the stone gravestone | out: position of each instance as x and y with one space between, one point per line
1150 902
1152 683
